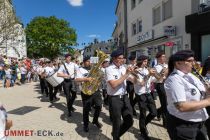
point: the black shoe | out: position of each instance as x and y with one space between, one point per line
86 129
69 114
97 124
73 109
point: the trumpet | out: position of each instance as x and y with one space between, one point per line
137 71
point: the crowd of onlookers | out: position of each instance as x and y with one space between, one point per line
17 72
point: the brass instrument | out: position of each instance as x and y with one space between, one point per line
136 72
161 74
89 88
202 79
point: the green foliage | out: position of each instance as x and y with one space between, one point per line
48 37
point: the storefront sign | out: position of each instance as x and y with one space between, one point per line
169 44
145 36
169 30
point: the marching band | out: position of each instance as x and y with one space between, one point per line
183 96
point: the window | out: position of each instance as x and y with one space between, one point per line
139 26
133 28
133 4
167 9
156 16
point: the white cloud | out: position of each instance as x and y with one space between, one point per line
75 2
93 36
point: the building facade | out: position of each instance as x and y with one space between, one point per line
12 35
198 25
157 26
120 31
106 47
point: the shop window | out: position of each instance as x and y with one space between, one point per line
156 15
167 9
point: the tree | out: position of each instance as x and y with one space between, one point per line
48 37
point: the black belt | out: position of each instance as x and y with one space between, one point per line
119 96
68 80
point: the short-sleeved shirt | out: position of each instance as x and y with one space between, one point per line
182 87
81 73
49 71
114 73
71 67
159 68
143 74
8 73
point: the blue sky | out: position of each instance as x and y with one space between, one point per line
90 18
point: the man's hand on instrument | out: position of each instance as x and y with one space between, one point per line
89 79
130 70
152 71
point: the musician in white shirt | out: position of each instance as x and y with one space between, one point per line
119 104
67 71
161 68
186 99
142 83
49 71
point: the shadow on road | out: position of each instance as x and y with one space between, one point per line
76 118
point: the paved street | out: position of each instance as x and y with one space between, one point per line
45 117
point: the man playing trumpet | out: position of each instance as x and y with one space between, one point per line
162 70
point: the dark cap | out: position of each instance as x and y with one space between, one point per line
132 57
67 55
116 53
142 58
182 55
86 58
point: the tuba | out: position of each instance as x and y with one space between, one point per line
88 88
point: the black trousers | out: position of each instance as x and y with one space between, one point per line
52 91
120 107
88 101
130 91
163 101
179 129
70 94
146 101
43 85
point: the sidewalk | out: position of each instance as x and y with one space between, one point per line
35 113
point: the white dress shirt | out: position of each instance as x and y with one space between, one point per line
182 87
81 73
114 73
49 71
71 67
159 68
143 74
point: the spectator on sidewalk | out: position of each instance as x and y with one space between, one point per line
23 73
